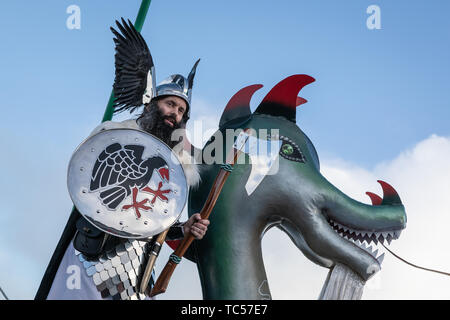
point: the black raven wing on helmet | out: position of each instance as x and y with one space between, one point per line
134 82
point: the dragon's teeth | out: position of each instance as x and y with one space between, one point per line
375 253
360 236
381 258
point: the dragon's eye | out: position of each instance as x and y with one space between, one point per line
290 150
287 149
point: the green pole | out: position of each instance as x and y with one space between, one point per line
138 25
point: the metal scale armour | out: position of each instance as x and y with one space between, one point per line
117 272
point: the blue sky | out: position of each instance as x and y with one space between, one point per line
377 92
387 88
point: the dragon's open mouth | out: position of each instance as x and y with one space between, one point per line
359 236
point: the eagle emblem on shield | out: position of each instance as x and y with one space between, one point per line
120 172
127 183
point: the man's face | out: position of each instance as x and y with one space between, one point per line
161 117
172 109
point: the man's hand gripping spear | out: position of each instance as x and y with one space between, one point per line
175 258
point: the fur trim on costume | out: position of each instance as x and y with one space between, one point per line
191 170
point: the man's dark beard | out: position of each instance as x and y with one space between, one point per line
152 121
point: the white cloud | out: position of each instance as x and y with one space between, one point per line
422 178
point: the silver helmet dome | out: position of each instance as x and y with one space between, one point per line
178 85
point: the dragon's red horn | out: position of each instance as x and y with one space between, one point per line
300 101
390 196
282 100
376 199
238 108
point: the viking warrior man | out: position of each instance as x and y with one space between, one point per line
109 266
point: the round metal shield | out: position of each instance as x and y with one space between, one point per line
127 183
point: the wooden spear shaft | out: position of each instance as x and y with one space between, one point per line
152 259
175 258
